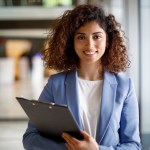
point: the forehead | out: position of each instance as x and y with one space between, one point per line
90 27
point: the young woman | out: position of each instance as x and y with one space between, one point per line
88 49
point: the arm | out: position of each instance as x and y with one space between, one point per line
32 140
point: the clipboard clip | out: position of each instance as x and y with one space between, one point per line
51 104
33 104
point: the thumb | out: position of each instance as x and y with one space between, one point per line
85 135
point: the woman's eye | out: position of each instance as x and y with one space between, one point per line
81 37
97 37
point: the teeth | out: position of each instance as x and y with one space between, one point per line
90 53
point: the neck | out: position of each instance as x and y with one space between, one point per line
91 72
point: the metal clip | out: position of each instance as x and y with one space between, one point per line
33 104
50 107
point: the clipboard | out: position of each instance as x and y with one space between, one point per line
50 119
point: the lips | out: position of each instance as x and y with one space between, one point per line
89 52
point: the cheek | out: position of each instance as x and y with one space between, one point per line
78 46
102 44
102 48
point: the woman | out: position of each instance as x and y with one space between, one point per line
88 49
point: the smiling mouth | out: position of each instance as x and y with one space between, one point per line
90 52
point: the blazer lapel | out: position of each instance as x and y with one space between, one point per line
72 96
107 104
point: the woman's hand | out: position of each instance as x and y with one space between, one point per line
88 143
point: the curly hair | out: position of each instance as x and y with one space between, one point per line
59 53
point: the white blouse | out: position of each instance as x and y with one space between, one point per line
89 103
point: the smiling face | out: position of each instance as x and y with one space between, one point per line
90 43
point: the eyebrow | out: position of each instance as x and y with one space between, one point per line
85 34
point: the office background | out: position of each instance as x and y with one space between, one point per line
23 28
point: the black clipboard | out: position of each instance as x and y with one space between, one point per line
50 119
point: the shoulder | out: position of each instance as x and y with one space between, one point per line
62 76
124 85
122 77
122 80
118 78
59 75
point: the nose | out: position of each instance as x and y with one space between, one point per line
89 42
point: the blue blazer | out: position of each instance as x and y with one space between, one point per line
118 127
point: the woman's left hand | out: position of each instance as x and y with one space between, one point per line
88 143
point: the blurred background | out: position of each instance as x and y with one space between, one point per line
24 25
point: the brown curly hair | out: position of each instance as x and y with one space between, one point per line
59 53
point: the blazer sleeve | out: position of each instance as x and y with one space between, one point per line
32 140
129 124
